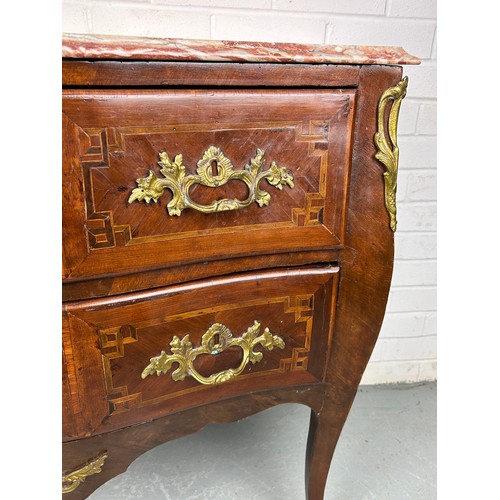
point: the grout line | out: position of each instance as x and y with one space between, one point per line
88 20
417 120
413 170
418 360
415 288
419 261
430 233
425 314
421 203
421 100
203 9
212 26
414 134
412 232
433 46
423 311
409 202
326 34
423 285
398 259
417 336
364 17
411 311
387 8
248 10
418 136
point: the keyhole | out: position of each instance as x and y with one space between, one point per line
215 168
215 340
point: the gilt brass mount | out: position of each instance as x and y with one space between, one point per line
73 479
215 340
388 151
175 178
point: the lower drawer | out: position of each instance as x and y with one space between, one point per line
142 356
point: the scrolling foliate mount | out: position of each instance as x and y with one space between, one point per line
388 151
73 479
215 340
214 169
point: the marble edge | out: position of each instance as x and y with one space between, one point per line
175 49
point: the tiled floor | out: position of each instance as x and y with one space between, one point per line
387 452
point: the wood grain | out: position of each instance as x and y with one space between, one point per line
134 277
112 340
125 445
123 133
169 74
366 270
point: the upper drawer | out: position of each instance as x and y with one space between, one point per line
212 160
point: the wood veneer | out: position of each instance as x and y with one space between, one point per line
314 265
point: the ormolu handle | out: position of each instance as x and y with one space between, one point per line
215 340
73 479
175 178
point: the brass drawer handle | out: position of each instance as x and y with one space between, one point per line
215 340
388 150
73 479
214 170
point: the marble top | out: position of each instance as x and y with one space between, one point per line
176 49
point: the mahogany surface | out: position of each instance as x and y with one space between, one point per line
168 74
134 276
120 135
125 445
134 327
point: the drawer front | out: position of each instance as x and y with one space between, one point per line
146 355
153 179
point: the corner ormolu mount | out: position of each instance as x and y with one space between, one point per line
388 151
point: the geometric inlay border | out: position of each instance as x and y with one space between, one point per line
113 341
97 144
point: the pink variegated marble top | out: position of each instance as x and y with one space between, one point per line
176 49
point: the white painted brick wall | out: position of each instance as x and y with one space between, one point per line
363 7
406 350
411 245
282 27
415 36
148 20
412 8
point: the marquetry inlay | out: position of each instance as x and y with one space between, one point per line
113 344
